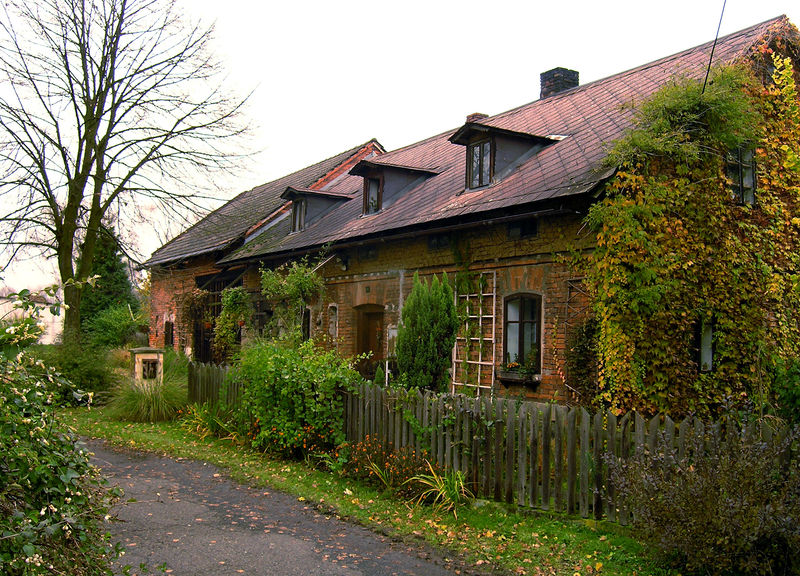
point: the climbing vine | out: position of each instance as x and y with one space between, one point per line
675 250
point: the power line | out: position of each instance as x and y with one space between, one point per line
713 46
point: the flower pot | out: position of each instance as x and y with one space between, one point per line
516 378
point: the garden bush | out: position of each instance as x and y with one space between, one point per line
426 335
786 388
52 501
733 507
113 327
292 395
85 367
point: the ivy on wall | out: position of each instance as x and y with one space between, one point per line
676 251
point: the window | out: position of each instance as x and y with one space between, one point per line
366 253
704 345
373 191
523 229
298 215
479 164
740 170
438 242
333 321
169 334
523 327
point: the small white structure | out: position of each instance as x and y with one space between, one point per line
148 364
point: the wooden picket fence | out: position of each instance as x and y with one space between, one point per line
206 381
535 455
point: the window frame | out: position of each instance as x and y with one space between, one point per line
299 209
705 346
538 308
367 208
488 172
737 161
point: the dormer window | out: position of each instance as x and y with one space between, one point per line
373 195
298 214
741 172
479 164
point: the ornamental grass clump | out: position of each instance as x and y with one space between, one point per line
445 490
147 400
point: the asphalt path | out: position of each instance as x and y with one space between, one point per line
189 519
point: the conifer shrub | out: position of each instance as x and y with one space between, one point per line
426 334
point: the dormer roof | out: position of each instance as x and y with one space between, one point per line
366 167
472 130
293 192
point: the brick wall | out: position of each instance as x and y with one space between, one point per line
532 265
379 277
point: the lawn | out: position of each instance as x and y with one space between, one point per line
491 536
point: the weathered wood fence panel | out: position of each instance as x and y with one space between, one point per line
206 381
533 454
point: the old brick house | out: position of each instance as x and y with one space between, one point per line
499 201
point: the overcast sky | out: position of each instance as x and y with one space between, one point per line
329 75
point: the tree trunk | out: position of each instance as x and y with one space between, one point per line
72 316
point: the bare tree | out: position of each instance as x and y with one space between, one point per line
105 105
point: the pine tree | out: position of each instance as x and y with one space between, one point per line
114 287
427 333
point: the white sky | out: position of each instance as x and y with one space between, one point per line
329 75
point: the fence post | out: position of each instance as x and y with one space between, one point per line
571 455
585 455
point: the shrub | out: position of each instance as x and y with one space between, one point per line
786 387
113 327
427 333
52 501
86 368
236 309
292 395
730 508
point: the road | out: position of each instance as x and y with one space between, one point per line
191 519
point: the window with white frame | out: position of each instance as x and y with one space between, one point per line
523 331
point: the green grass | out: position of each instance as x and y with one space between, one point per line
492 536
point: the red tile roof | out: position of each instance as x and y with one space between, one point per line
581 122
228 225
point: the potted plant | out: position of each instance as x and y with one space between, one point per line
527 373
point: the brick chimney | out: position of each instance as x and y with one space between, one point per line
557 80
476 117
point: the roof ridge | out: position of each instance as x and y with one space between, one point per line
745 31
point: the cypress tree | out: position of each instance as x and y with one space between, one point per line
426 334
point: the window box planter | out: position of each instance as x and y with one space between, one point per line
514 377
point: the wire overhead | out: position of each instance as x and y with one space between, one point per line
713 46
